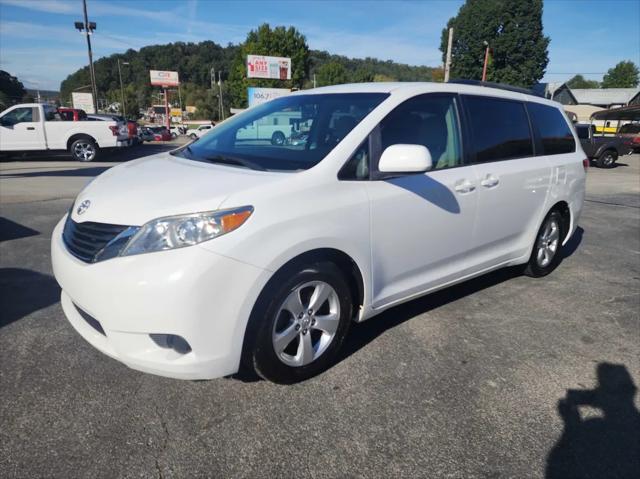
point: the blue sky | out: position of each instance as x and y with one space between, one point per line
38 42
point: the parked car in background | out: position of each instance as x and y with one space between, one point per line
604 150
198 132
72 114
630 135
160 133
145 134
176 131
122 122
227 252
33 127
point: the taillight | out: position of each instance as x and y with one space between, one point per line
114 130
636 139
585 164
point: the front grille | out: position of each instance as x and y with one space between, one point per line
86 240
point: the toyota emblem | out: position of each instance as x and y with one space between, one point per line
84 206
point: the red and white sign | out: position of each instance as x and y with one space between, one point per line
274 68
163 78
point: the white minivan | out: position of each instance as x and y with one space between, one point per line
226 253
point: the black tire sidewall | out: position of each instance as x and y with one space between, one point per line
263 357
84 140
277 138
532 268
601 159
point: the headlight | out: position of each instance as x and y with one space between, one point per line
185 230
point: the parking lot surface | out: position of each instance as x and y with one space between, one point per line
500 377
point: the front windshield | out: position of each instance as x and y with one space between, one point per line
289 133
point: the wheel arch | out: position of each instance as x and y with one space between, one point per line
78 136
567 218
346 264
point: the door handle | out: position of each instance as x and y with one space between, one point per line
490 181
464 186
30 128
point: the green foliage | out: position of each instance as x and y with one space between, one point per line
623 75
11 90
578 81
194 61
332 73
513 29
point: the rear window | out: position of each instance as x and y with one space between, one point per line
500 128
630 128
553 129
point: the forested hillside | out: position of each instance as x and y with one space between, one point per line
194 61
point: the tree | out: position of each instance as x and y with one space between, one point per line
513 30
332 73
578 81
11 90
278 42
623 75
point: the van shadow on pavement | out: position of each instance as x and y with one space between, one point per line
607 446
23 291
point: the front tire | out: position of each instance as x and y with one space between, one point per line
607 159
193 136
299 323
547 249
84 149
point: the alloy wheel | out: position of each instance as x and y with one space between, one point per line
84 151
547 244
306 323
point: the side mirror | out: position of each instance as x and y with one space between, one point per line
403 159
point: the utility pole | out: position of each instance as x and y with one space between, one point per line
88 28
124 106
220 101
314 80
447 64
486 61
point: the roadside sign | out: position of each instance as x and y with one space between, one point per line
256 96
82 101
176 112
164 78
275 68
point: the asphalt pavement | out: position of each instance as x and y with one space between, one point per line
500 377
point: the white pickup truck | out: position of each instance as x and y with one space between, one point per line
32 127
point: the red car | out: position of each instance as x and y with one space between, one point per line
630 134
160 133
72 114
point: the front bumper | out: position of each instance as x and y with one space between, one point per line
190 292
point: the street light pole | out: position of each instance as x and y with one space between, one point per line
124 105
486 60
87 32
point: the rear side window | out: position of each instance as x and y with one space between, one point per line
500 128
583 131
553 129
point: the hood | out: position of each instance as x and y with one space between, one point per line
163 185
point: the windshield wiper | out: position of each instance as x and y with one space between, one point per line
234 160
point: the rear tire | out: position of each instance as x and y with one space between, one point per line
287 347
84 149
278 138
193 136
547 249
607 159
